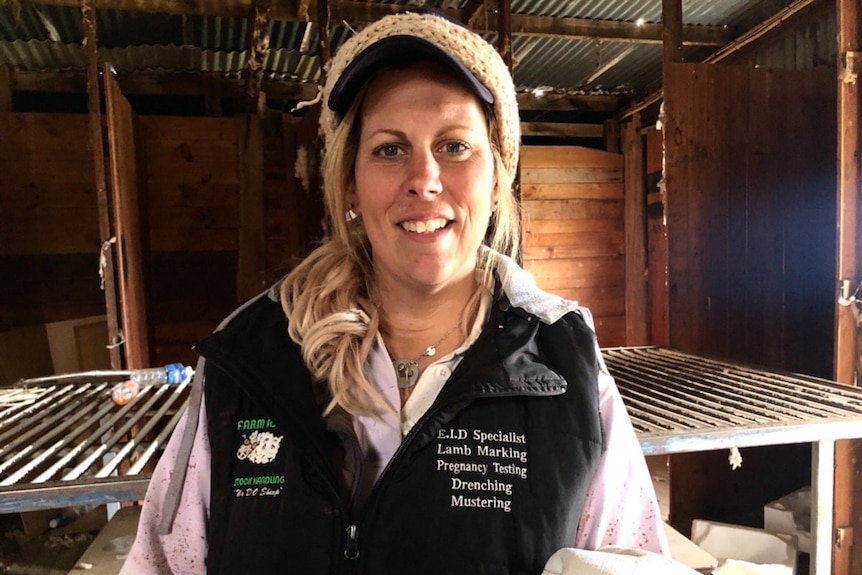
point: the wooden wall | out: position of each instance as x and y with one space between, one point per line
574 230
751 179
191 188
189 201
751 215
49 232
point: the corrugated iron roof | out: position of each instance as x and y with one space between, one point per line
695 12
44 37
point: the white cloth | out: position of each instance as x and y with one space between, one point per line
613 561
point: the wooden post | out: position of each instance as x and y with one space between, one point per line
504 32
847 548
251 265
849 241
257 51
323 33
611 136
637 321
671 16
212 89
504 47
97 146
671 11
5 89
131 244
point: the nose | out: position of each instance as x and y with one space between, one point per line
423 178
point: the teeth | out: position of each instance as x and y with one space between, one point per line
425 227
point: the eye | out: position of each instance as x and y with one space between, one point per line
387 151
455 147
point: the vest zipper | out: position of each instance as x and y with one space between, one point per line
351 551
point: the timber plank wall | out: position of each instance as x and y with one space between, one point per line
189 196
189 166
751 216
574 230
49 230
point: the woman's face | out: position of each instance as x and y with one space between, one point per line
424 177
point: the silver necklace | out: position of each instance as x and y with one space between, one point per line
407 370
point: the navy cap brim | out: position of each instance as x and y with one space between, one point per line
396 51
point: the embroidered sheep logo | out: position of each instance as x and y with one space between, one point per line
259 447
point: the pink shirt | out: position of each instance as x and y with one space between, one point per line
621 507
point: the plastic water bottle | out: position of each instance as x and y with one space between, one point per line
171 374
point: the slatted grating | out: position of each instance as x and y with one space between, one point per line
64 441
683 402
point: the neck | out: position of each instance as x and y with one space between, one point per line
411 322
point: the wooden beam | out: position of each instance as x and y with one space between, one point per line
672 53
597 73
560 130
763 29
132 248
568 102
201 84
671 36
251 262
228 8
257 51
504 33
471 11
96 143
5 89
611 136
849 197
362 13
323 23
612 30
210 84
212 94
637 318
847 552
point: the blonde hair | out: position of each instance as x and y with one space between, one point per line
330 298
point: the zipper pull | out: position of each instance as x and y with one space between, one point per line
352 549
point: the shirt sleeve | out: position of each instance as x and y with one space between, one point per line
621 507
184 549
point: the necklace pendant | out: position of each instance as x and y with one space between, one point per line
406 372
430 351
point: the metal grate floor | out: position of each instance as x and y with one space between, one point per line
682 402
65 442
679 402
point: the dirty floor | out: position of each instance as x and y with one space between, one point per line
52 552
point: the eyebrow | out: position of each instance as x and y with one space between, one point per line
403 135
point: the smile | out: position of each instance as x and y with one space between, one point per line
424 227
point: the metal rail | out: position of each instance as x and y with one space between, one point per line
681 402
64 442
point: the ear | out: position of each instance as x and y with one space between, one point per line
495 194
353 200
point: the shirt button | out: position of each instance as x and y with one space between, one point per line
444 372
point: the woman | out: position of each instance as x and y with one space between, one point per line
405 400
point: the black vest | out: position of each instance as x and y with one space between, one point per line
491 480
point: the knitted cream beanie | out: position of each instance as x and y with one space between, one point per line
435 37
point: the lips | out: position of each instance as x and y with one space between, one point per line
424 226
